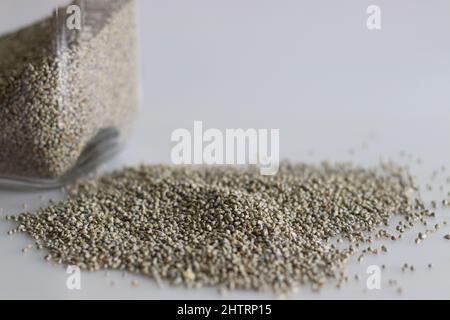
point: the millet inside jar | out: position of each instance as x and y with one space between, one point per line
60 88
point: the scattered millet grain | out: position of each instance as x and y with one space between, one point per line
392 282
59 89
222 226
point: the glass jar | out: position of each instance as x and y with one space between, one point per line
68 88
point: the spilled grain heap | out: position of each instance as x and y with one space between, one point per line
226 227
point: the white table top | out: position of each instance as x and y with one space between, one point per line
308 68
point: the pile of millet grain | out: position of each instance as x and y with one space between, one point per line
227 227
60 88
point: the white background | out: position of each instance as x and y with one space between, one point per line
308 68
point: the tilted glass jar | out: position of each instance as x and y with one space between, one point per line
68 88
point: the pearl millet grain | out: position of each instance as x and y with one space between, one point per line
226 227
